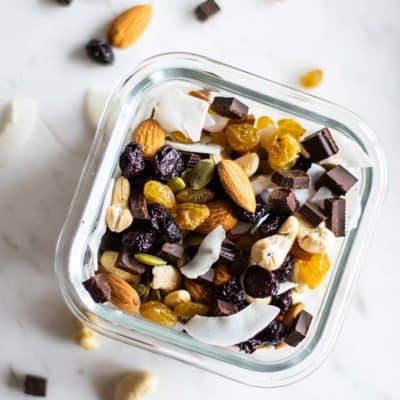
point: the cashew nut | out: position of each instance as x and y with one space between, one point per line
84 336
249 163
314 240
177 297
271 251
135 386
108 260
121 192
166 277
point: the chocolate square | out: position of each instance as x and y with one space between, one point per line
283 200
299 330
335 209
320 145
229 107
171 252
128 262
138 206
312 213
339 180
228 252
35 385
206 10
190 159
291 179
98 288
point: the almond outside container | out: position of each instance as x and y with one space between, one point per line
127 106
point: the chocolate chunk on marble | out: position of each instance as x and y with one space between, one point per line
312 213
339 180
229 107
320 145
171 252
138 206
35 385
291 179
206 10
283 200
299 330
127 262
335 209
98 288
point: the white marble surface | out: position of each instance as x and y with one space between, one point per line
355 42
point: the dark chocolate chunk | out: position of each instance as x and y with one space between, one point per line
303 163
206 10
171 252
320 145
239 265
335 209
35 385
291 179
300 329
98 288
127 262
229 107
228 252
225 308
138 205
190 159
312 213
339 180
259 282
283 200
110 241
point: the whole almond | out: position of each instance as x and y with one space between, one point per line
123 295
201 291
150 136
129 26
221 275
220 214
236 184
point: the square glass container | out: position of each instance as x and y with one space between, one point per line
127 106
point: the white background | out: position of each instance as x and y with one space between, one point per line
357 43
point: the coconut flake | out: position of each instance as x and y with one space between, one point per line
20 119
285 286
196 147
215 123
178 111
232 329
207 254
261 183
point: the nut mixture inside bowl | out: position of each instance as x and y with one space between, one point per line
221 220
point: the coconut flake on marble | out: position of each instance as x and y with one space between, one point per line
232 329
20 119
207 254
209 148
178 111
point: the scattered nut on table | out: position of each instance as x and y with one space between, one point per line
135 386
84 336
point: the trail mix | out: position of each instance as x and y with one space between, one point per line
218 217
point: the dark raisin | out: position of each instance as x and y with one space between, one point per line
131 160
303 163
162 221
145 175
110 241
100 51
273 334
283 301
285 271
168 162
273 222
249 346
246 216
140 240
232 292
258 282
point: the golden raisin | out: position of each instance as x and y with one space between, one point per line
242 137
311 272
282 149
311 79
156 192
219 138
190 195
159 313
189 309
180 137
264 121
191 215
291 126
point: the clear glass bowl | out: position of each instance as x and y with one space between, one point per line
124 109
